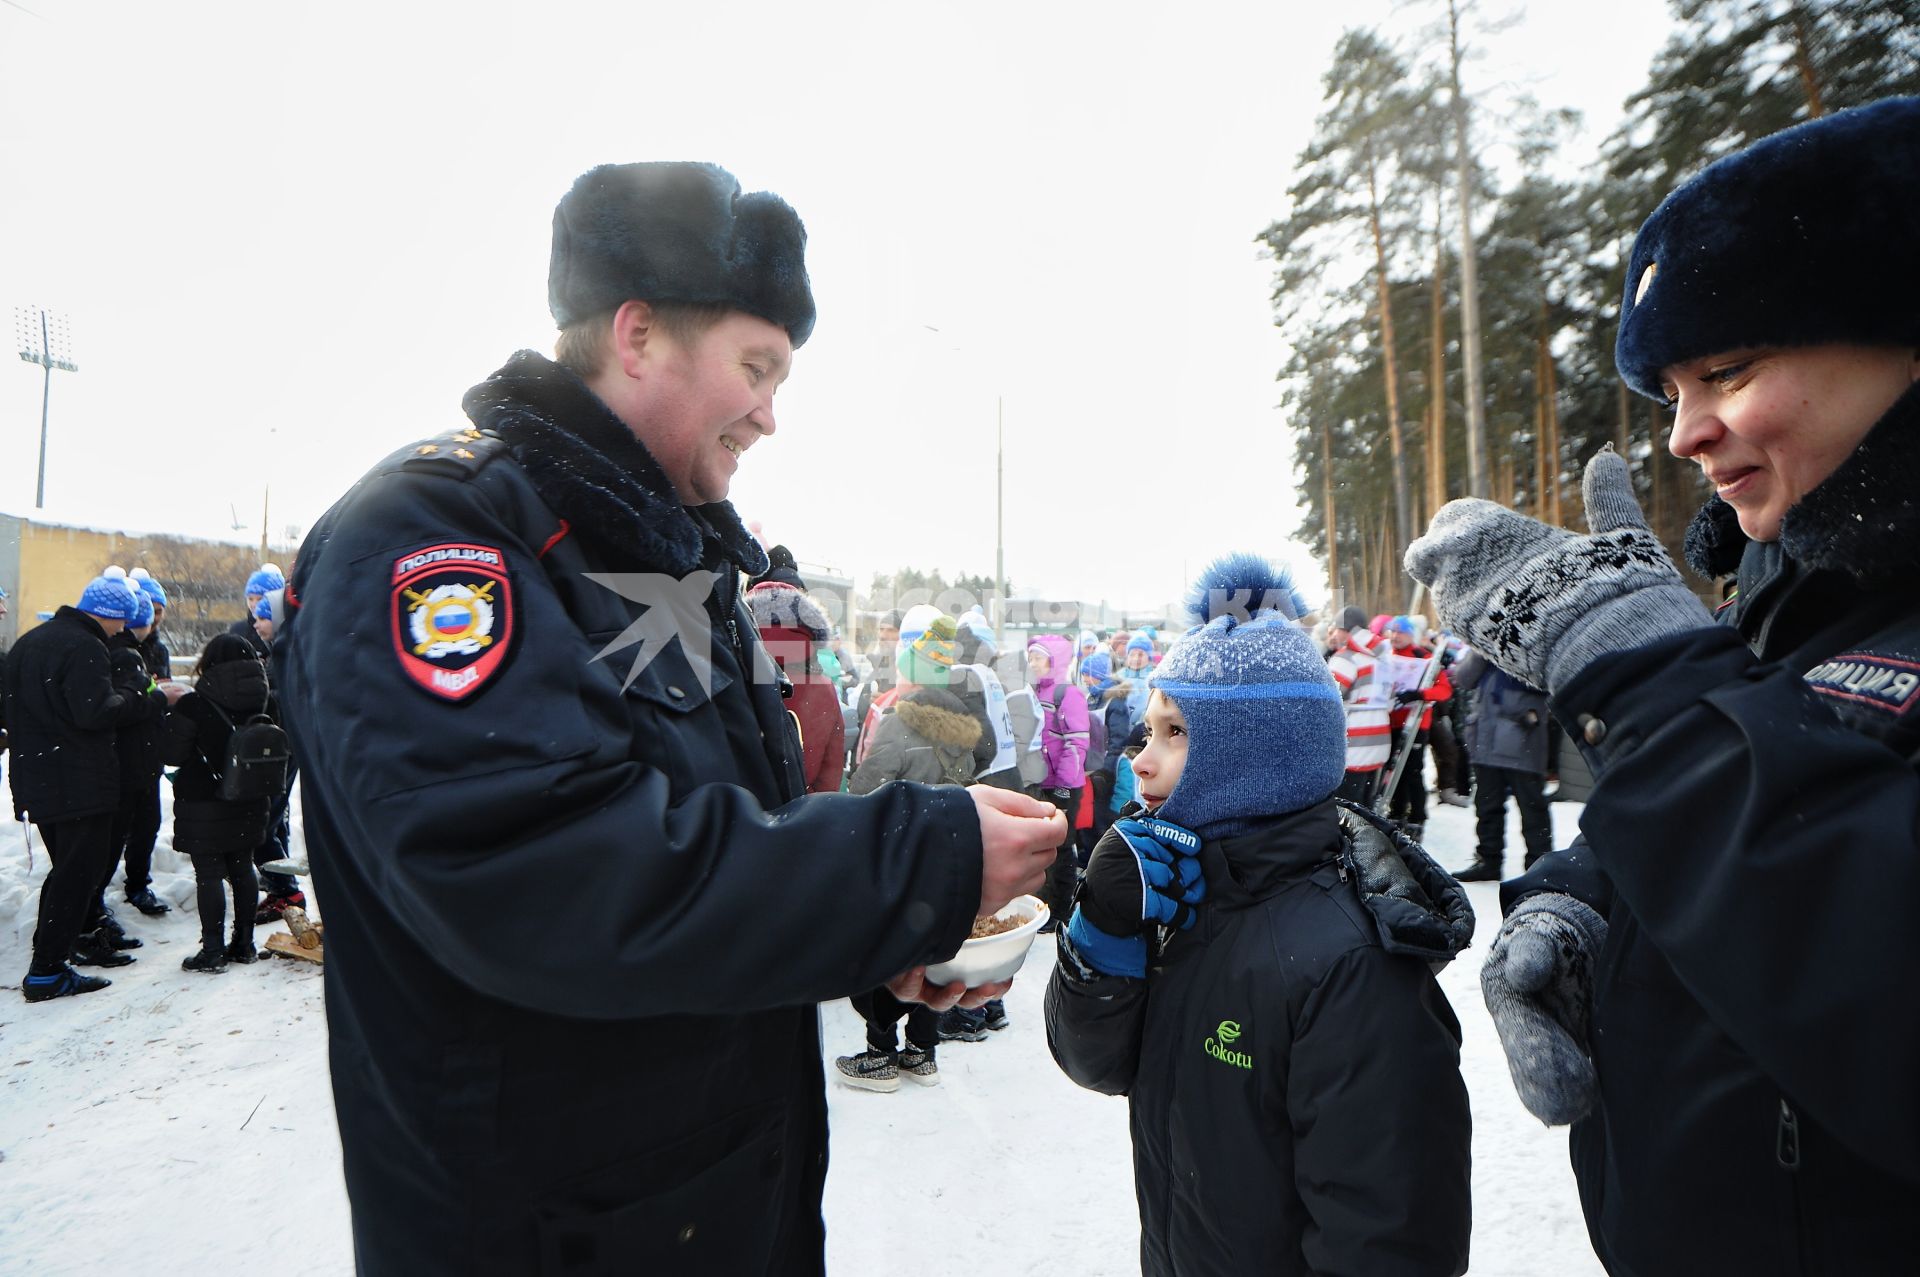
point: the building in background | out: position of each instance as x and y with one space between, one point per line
45 565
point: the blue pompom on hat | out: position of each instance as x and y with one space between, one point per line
266 579
1266 730
109 597
144 582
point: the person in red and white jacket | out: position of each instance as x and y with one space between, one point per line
1367 696
1403 667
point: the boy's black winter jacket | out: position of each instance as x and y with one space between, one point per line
1755 848
1292 1065
63 710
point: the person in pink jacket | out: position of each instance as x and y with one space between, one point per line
1063 740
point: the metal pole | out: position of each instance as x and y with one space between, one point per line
46 393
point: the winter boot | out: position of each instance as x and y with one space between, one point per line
1454 798
273 906
958 1025
146 902
917 1065
95 949
1479 871
870 1070
116 934
242 950
63 983
211 959
996 1016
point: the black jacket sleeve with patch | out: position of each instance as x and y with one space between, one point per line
565 844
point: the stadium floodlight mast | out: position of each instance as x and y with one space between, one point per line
44 340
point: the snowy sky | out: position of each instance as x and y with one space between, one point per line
288 237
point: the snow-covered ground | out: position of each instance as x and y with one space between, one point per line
183 1123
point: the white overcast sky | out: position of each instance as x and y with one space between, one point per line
288 237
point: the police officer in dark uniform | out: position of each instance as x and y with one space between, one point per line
1719 985
579 907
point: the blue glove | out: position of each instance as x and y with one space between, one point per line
1108 954
1144 872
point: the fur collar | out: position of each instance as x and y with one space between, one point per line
1862 520
775 604
938 717
589 468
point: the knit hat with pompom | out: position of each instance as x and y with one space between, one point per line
110 596
1266 731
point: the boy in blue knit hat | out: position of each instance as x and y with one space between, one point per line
1251 963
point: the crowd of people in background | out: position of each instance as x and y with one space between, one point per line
92 718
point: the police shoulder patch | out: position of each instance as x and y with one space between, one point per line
1890 683
452 614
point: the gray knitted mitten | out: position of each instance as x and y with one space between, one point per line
1538 983
1542 602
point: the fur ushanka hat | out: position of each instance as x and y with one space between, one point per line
1809 236
678 232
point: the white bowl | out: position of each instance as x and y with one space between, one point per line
994 958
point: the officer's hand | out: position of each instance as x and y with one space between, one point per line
1019 837
1408 697
911 986
1538 983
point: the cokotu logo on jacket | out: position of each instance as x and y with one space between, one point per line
1220 1044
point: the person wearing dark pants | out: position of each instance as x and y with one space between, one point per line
136 821
63 708
1507 737
881 1066
81 854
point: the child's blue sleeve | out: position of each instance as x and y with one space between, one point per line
1124 786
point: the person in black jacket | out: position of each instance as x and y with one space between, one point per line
580 909
136 824
1252 965
1717 983
218 835
63 706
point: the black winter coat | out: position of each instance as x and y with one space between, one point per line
1755 846
63 710
580 917
1293 1067
200 727
136 745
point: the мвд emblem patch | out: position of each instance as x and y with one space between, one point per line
452 615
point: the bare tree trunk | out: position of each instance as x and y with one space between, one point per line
1557 518
1469 277
1393 368
1623 434
1326 504
1437 369
1542 504
1803 62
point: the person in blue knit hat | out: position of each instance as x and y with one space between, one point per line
64 704
136 823
1252 964
263 581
